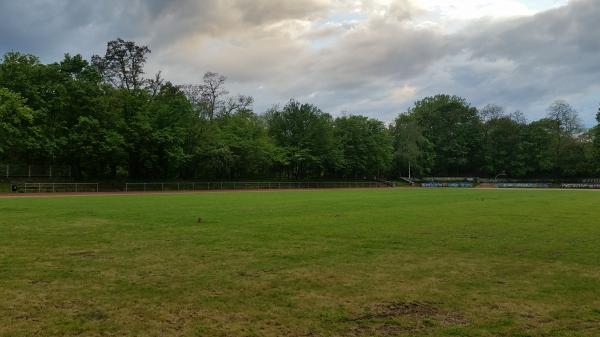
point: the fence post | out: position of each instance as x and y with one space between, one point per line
126 187
53 187
29 167
7 170
50 171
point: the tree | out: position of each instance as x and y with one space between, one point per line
212 89
502 147
123 64
18 136
366 146
566 123
491 112
194 95
20 73
454 129
595 132
240 103
245 137
305 136
537 146
413 152
169 115
155 84
210 98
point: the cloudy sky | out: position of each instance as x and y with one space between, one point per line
373 57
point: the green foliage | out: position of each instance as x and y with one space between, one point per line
366 147
454 130
18 135
305 136
104 119
595 133
413 152
503 142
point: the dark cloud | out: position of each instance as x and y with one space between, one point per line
553 54
377 64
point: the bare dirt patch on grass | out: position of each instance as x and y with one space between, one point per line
399 318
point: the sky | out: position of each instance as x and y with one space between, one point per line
370 57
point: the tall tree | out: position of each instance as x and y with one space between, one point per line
537 145
366 146
245 137
123 64
566 123
305 135
454 129
491 112
18 135
502 147
595 132
413 152
212 91
210 98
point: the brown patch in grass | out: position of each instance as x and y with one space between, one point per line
86 254
392 319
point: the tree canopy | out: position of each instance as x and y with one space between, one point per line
106 120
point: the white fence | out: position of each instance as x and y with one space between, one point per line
57 187
212 186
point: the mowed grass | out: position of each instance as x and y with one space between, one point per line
404 262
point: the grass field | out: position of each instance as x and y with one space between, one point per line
403 262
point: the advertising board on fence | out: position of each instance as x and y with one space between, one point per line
588 186
452 185
523 185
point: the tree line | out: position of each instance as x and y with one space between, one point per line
105 119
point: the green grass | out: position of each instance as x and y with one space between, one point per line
321 263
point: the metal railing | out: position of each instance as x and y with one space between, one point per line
215 186
57 187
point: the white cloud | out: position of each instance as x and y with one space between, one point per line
474 9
